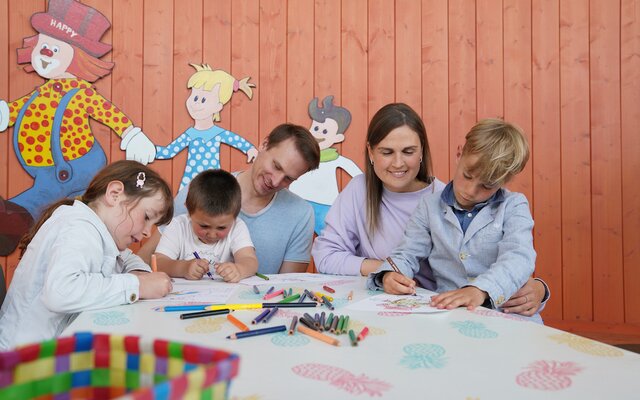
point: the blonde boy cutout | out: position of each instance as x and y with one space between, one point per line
501 148
207 79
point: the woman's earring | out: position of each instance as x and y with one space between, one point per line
371 161
420 160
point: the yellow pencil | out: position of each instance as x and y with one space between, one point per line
154 263
320 294
249 306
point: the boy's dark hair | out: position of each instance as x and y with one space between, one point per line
214 192
304 141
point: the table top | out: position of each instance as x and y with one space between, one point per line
460 354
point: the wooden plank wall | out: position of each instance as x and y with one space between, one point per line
568 72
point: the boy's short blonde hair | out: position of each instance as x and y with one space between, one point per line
502 151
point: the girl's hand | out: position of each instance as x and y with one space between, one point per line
229 272
153 285
196 268
395 283
469 296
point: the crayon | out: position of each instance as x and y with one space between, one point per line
352 337
273 312
237 322
272 294
290 298
154 263
259 275
260 317
363 333
256 290
328 303
317 335
270 289
292 327
257 332
204 313
328 289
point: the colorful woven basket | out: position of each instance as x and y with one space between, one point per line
100 366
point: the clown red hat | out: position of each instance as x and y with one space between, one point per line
74 23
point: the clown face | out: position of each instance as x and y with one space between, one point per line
326 133
51 57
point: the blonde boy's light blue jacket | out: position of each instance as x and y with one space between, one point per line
495 254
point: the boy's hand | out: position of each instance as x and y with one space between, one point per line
395 283
527 300
153 285
229 272
469 296
196 269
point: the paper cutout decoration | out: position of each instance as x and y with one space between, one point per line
320 187
52 138
210 91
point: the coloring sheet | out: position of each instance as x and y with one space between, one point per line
277 279
418 304
201 291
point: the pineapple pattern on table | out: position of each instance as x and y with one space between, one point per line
423 355
205 325
110 318
474 330
548 375
342 379
587 346
283 339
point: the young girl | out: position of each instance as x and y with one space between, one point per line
76 258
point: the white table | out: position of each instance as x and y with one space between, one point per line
452 355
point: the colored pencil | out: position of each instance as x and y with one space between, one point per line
259 275
301 299
270 289
317 335
256 290
290 298
272 312
193 307
321 295
396 269
328 303
197 256
307 323
328 289
352 337
237 322
204 313
363 333
248 306
327 324
257 332
273 294
292 327
260 317
345 324
340 325
334 324
154 263
290 305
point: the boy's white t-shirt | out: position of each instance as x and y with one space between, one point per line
178 241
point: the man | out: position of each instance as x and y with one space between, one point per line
280 223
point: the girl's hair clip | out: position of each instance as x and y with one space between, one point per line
140 179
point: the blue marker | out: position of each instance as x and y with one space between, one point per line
196 255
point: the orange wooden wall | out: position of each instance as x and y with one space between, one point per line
568 72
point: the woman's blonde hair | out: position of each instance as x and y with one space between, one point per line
206 78
501 148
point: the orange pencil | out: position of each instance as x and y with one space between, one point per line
237 323
350 296
154 263
317 335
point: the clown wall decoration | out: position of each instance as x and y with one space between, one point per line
52 138
320 187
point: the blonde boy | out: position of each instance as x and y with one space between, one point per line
476 234
211 238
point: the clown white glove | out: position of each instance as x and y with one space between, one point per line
4 115
138 146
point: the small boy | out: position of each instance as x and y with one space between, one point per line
476 234
211 231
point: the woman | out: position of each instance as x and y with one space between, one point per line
398 173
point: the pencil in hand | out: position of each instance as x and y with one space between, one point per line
397 270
